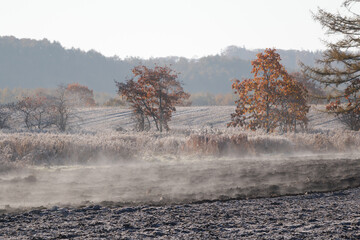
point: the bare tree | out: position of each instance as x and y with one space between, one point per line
6 111
61 109
43 111
36 111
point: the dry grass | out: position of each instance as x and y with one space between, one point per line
52 148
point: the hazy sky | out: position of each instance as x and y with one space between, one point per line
156 28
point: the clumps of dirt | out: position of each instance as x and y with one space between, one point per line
312 216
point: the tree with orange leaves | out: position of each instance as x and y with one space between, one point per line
153 94
271 99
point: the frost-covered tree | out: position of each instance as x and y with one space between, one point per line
62 109
36 111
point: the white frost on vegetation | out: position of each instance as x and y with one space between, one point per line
102 159
194 131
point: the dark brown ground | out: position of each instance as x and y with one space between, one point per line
319 215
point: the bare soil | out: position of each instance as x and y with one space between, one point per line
333 215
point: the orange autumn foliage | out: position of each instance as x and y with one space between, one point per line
153 94
270 100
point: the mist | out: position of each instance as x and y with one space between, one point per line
170 180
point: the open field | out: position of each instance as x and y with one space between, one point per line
194 118
48 176
199 159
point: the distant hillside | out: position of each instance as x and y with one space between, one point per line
29 63
289 58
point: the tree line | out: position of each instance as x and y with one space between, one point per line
29 63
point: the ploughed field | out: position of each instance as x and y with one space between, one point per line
200 180
110 118
333 215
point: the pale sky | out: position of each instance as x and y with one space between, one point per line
158 28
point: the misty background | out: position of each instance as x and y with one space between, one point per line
27 63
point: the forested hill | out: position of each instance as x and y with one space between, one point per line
27 63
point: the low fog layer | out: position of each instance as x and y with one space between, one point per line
173 180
